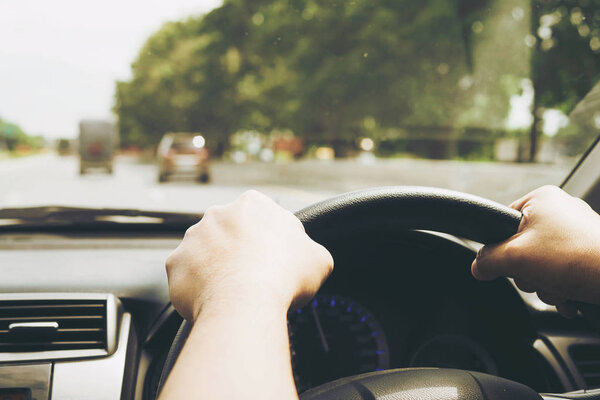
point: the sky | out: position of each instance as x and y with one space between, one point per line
59 59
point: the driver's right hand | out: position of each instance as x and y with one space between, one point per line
555 253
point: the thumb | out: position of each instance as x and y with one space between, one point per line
492 261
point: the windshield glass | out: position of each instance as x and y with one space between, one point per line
179 105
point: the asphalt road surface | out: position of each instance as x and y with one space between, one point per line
49 179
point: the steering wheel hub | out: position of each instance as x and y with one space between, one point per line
422 384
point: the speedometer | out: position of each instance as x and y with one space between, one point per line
333 337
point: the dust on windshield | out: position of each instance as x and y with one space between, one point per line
186 105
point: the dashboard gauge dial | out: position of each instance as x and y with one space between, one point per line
454 351
333 337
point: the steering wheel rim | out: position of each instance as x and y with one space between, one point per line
396 208
411 208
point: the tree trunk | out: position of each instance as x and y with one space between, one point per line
536 82
534 130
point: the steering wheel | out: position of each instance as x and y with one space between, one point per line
405 208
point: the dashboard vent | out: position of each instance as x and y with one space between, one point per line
587 359
48 325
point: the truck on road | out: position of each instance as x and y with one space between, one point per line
98 141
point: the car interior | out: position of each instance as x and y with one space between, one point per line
291 98
96 322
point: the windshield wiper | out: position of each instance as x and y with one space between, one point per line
58 215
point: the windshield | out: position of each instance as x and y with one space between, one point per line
179 105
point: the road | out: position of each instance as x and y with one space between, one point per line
52 180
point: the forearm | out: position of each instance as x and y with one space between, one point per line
236 350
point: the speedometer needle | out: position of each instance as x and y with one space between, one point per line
320 329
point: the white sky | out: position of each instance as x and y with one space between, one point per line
519 115
59 59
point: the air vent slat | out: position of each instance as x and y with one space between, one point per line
587 359
57 343
50 306
49 346
50 317
81 325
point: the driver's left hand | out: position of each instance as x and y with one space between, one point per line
251 248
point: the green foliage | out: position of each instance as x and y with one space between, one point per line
184 80
12 136
566 60
332 70
317 67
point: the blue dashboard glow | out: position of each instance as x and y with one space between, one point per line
334 337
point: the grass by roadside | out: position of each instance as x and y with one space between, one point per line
4 155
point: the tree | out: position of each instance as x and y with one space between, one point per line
184 79
341 63
566 57
11 135
326 70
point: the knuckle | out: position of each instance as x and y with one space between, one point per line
212 212
550 189
256 198
290 215
194 229
189 231
250 195
527 212
325 257
582 203
511 252
212 215
170 263
330 262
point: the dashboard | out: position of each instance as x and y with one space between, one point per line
394 301
410 301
